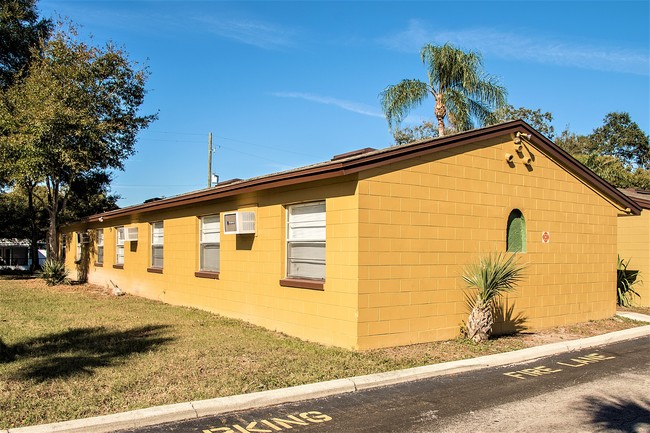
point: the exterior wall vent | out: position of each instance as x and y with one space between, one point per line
84 238
239 223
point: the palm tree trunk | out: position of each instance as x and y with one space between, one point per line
479 324
440 112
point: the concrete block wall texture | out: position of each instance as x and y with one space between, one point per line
422 221
634 245
248 286
398 236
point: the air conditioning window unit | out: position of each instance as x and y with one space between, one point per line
131 234
83 238
239 223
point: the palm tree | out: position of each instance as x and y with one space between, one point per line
491 277
625 282
463 93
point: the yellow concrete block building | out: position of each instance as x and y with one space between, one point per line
634 243
367 250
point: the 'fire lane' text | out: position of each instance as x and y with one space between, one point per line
542 370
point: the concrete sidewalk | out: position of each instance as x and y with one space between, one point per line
216 406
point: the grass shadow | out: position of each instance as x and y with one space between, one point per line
506 322
81 350
6 354
622 415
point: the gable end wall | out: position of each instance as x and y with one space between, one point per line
422 221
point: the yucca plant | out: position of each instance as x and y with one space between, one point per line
625 282
492 276
54 272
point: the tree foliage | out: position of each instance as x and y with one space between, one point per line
622 138
21 31
74 114
409 134
539 120
465 97
89 194
14 214
18 219
573 143
617 151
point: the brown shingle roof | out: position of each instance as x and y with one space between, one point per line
640 196
356 162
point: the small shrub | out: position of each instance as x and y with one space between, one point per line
625 282
492 276
54 272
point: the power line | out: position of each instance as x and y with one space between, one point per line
283 149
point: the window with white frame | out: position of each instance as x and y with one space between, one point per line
210 244
119 245
64 246
157 239
77 256
100 246
306 241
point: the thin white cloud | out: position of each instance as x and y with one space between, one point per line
516 46
250 32
355 107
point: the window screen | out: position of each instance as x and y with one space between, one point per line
100 246
210 243
119 245
157 239
306 241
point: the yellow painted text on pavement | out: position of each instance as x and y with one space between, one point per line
274 424
543 370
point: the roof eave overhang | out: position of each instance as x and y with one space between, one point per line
378 159
645 204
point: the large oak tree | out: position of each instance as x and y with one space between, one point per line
617 151
75 113
21 31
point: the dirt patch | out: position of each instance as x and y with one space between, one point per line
38 283
641 310
88 289
576 331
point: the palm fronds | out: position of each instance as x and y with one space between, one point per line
625 282
398 100
463 93
493 275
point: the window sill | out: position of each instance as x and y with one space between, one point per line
119 266
303 284
207 274
155 270
99 265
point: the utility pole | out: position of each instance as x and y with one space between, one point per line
209 160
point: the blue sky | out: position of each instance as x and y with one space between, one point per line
285 84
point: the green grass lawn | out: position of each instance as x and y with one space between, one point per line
70 352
